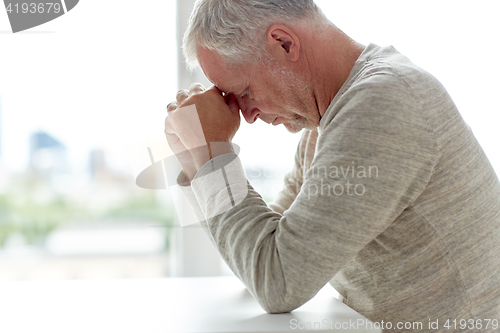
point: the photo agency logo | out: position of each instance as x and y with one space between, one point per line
160 169
27 14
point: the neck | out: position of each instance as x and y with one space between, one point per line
331 60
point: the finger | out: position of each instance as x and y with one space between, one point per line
176 145
173 141
169 129
182 95
229 97
196 88
215 90
233 104
172 106
218 92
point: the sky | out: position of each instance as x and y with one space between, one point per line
102 75
98 77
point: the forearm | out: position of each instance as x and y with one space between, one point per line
274 255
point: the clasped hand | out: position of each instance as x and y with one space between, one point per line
198 118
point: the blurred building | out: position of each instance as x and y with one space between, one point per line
98 167
101 170
47 154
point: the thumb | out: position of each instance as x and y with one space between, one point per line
169 129
233 105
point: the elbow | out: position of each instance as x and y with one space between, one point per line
275 305
274 297
276 309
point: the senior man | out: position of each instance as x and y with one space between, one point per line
416 239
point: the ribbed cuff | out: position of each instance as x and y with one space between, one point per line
220 185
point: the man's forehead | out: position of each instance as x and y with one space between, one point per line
228 89
224 85
211 63
226 78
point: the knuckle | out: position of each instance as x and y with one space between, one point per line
196 85
195 99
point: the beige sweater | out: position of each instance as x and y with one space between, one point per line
394 203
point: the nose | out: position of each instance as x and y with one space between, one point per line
251 115
249 112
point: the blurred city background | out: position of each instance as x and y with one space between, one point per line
82 97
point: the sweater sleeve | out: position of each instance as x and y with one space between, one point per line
373 160
187 192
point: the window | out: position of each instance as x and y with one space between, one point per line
75 94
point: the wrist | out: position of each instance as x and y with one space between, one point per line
204 154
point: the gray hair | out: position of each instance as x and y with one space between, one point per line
235 28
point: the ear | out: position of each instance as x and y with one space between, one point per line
283 41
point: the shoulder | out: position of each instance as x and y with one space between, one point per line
379 111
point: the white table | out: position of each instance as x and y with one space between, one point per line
202 305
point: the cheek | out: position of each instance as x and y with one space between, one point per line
275 96
262 99
272 98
